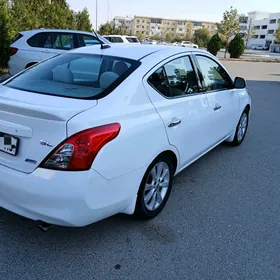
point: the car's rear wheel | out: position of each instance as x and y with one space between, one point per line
241 128
155 188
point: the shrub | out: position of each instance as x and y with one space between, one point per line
236 47
214 45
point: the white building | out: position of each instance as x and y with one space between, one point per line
265 25
118 23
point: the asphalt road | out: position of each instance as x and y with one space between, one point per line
221 221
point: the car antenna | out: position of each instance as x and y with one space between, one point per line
103 46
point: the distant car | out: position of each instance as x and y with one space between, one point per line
258 47
31 47
189 44
149 42
176 44
96 132
122 39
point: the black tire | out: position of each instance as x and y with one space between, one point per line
236 141
141 211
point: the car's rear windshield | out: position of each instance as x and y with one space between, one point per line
132 40
74 75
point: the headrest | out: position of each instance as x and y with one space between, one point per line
106 79
63 74
120 67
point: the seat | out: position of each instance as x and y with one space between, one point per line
120 68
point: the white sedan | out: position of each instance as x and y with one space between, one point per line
79 144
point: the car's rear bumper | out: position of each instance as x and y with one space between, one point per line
66 198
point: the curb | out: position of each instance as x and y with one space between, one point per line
251 60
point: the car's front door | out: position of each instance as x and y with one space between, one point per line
173 89
222 96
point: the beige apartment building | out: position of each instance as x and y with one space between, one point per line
150 26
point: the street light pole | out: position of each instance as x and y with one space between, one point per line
96 15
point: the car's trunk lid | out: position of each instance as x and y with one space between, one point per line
37 121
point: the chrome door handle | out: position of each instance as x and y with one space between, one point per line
217 107
174 123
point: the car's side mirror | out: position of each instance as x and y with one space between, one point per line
239 83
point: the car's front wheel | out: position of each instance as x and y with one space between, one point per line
241 128
155 188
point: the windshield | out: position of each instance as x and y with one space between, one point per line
75 75
132 40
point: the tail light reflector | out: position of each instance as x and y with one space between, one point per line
78 152
13 51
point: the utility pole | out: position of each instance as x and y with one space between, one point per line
96 25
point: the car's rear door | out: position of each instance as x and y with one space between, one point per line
173 89
222 96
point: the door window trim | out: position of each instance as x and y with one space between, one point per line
168 60
201 77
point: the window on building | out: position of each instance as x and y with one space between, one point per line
158 21
262 36
143 27
180 23
143 21
138 21
264 26
137 26
180 29
272 21
172 29
255 36
168 23
270 31
257 27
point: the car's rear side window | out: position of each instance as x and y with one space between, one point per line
87 40
17 37
132 40
53 40
116 40
74 75
38 40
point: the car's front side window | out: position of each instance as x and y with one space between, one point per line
116 40
213 75
176 78
63 41
87 40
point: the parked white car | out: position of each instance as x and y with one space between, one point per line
189 44
31 47
122 39
79 144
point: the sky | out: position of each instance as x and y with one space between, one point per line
207 10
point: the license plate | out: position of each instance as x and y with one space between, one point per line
8 144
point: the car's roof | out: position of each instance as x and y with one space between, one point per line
135 52
34 31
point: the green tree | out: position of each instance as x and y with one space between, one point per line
201 37
105 29
83 20
140 36
168 37
236 47
123 28
156 37
277 34
229 26
5 32
215 44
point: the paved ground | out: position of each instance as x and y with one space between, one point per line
221 222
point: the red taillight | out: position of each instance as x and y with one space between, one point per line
13 51
78 151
